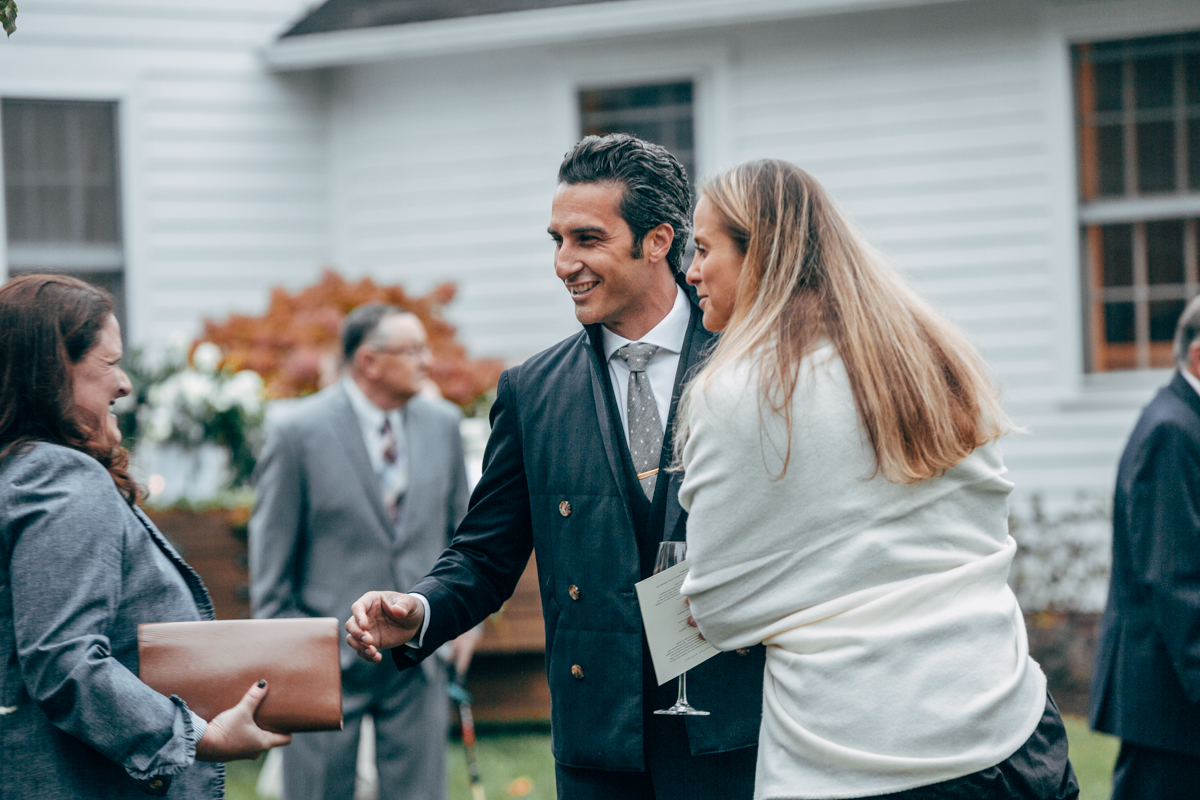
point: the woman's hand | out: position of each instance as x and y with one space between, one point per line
233 734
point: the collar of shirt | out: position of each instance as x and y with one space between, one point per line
1190 378
370 421
668 334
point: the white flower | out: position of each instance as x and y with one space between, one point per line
207 357
196 389
243 390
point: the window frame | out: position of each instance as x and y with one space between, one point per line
122 96
1132 207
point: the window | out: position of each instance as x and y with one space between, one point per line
1139 145
61 191
659 113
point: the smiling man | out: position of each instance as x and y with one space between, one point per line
575 470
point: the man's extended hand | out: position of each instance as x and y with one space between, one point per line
383 620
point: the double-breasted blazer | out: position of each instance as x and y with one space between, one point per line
319 536
79 571
1146 683
558 480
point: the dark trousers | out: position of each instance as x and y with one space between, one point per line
411 715
1153 774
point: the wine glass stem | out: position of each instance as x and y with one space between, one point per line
682 701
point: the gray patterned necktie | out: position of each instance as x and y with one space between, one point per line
645 427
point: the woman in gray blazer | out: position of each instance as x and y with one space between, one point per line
80 567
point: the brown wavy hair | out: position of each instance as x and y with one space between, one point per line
923 395
48 323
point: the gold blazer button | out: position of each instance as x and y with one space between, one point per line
573 590
564 508
577 671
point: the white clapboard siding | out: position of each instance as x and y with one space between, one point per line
443 170
224 165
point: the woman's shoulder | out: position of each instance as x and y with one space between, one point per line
64 470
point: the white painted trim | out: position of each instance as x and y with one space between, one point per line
1139 209
1092 21
548 26
73 257
1059 97
703 62
3 211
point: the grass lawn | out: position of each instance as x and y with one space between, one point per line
513 763
517 763
1092 755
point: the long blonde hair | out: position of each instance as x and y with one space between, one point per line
921 392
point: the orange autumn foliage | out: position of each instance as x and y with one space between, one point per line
294 345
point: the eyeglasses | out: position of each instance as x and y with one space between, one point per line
408 350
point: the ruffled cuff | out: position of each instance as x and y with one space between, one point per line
153 773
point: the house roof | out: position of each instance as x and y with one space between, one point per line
346 15
394 29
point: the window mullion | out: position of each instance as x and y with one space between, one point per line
1141 296
1191 250
1129 106
1095 263
1181 127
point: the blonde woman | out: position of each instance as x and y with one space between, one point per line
848 507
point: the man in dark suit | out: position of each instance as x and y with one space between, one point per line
1146 686
361 485
564 476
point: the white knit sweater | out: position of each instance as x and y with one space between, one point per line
896 652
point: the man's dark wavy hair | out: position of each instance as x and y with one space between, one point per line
48 323
655 183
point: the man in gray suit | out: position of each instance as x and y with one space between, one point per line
362 486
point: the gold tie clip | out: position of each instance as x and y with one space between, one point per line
647 473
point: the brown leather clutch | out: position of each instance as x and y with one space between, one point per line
210 665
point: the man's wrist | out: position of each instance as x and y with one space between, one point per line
418 641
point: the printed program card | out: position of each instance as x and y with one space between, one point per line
675 646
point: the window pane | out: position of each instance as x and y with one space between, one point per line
660 113
1192 73
1164 251
60 171
1194 154
1117 254
1154 82
1109 86
1156 156
1119 323
1110 144
1164 314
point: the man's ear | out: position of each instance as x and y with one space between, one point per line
1193 357
657 242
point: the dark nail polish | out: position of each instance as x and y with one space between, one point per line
262 683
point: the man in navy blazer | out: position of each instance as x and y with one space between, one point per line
559 479
1146 685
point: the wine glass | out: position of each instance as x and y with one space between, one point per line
670 554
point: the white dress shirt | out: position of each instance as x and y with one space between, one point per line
1191 379
668 334
370 422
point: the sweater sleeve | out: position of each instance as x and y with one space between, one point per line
727 462
67 591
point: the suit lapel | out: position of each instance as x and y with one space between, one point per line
694 345
599 376
1184 391
348 432
418 443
